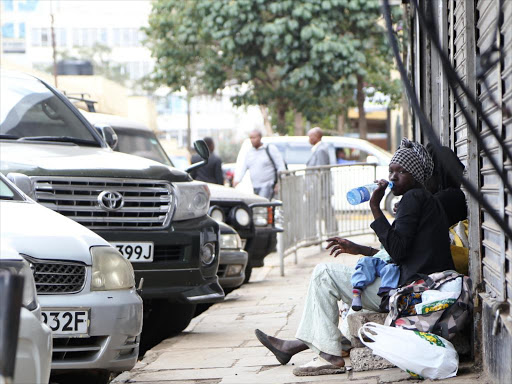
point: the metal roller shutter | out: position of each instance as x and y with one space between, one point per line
493 239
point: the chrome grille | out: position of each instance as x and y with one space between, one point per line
56 277
147 204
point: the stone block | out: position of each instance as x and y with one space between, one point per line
356 321
364 360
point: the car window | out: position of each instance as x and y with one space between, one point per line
294 153
30 109
139 143
5 191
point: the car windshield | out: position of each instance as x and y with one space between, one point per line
294 153
29 110
140 143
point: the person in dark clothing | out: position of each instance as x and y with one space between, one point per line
417 241
211 172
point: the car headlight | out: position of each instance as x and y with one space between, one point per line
110 270
262 216
193 200
230 241
22 268
217 214
207 253
240 216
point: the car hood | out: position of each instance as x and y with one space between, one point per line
221 193
36 231
72 160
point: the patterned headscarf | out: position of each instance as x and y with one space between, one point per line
415 159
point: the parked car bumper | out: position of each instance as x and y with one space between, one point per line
114 331
227 277
177 273
33 356
262 243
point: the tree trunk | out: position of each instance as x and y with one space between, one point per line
281 118
189 126
363 128
266 121
298 124
342 122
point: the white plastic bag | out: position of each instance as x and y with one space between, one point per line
419 353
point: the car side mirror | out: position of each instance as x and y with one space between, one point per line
203 152
108 134
202 149
23 183
372 160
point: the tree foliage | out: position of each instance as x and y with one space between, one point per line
285 54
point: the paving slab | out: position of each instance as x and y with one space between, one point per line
219 346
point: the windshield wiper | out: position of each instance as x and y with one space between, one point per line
9 137
60 139
2 197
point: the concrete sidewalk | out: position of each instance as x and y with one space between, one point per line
219 346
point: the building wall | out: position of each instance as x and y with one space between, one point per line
467 30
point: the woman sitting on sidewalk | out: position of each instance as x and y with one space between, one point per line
417 241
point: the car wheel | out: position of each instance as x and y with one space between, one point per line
84 377
164 320
391 200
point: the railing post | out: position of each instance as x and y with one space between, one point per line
280 250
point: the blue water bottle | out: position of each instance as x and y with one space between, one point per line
361 194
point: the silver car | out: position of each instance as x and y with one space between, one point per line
34 346
85 287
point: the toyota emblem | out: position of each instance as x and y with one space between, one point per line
110 200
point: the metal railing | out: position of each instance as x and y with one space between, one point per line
315 205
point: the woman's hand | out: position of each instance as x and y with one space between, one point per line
376 198
343 246
378 194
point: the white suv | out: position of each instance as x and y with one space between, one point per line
85 287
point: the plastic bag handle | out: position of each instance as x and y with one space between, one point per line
368 335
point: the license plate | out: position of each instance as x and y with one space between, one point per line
136 252
67 322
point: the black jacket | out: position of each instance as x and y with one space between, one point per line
211 172
418 239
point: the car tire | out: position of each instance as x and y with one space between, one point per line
248 272
164 320
84 377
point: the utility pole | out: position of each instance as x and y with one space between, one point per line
53 45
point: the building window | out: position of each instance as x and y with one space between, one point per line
27 5
8 30
104 36
8 5
45 37
21 30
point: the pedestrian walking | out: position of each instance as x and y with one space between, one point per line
211 172
264 162
320 150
